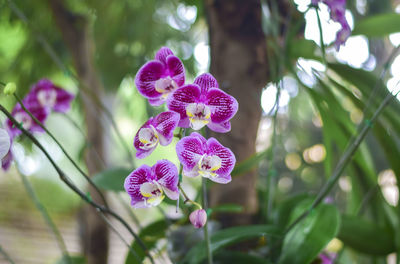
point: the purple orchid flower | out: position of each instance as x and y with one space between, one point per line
207 158
148 186
156 130
159 78
203 103
50 96
26 121
327 258
338 14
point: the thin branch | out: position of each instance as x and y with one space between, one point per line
6 256
205 228
46 216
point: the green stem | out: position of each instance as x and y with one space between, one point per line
62 149
321 37
206 234
6 256
100 208
187 199
31 192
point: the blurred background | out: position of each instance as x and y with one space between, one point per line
298 109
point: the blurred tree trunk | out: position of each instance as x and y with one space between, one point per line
239 63
75 31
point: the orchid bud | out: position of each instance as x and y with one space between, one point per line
10 88
198 218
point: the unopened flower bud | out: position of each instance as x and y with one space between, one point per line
10 88
198 218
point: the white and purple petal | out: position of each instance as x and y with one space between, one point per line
132 185
227 157
166 175
162 54
206 81
5 143
190 149
165 124
147 76
223 106
176 70
142 150
63 100
220 127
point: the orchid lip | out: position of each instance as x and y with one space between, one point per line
148 137
152 192
24 119
207 165
199 115
165 86
47 98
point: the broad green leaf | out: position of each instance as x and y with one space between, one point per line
365 236
250 163
228 237
309 237
303 48
149 235
378 25
286 207
111 179
71 260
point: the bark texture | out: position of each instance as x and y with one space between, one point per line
75 32
239 63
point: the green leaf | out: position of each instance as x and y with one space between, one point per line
285 209
228 237
149 235
71 260
306 240
303 48
228 208
250 163
378 25
366 236
112 179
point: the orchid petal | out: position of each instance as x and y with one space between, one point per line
190 150
227 157
165 123
133 182
220 127
5 143
167 176
206 81
223 106
162 54
146 78
176 70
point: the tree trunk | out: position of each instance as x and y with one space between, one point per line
239 63
74 29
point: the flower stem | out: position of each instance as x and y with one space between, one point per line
62 149
6 256
99 208
206 234
31 192
321 37
187 199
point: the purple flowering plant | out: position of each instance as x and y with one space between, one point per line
43 98
193 106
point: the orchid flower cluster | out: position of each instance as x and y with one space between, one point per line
162 81
338 14
43 98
